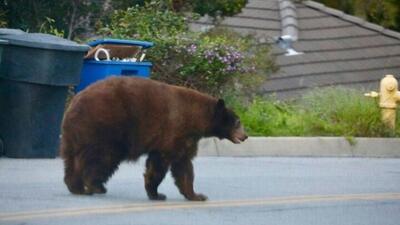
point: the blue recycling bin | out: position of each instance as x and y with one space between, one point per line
94 70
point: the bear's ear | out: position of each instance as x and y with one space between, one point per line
221 104
219 108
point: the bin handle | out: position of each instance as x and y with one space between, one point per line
142 57
105 51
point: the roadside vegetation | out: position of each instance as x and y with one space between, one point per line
322 112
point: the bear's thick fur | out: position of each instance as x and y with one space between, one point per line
122 118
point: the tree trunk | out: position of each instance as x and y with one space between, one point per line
72 19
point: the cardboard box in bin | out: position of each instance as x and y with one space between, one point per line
114 57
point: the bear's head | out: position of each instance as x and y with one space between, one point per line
227 124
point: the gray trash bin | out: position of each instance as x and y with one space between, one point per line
35 72
2 43
6 31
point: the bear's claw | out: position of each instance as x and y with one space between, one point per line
158 197
99 189
198 197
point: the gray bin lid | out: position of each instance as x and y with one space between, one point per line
7 31
44 41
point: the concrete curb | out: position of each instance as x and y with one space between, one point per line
303 147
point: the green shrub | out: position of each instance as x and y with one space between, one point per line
153 21
202 7
326 112
49 27
383 12
270 118
3 19
218 7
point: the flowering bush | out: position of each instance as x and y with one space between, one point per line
210 62
226 59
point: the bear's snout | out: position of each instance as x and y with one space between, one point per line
238 139
239 135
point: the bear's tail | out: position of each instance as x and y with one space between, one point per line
72 177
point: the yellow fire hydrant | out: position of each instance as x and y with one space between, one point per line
388 95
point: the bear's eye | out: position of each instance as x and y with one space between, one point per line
237 123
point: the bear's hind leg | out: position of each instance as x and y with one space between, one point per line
156 168
182 171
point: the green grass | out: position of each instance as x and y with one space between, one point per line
325 112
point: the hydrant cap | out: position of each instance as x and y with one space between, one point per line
389 83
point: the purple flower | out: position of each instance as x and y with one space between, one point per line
208 54
230 68
191 49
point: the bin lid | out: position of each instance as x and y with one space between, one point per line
3 42
144 44
7 31
44 41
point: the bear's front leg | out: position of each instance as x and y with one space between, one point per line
182 171
156 168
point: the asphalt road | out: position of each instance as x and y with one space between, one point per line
241 191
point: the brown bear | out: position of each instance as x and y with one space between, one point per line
122 118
